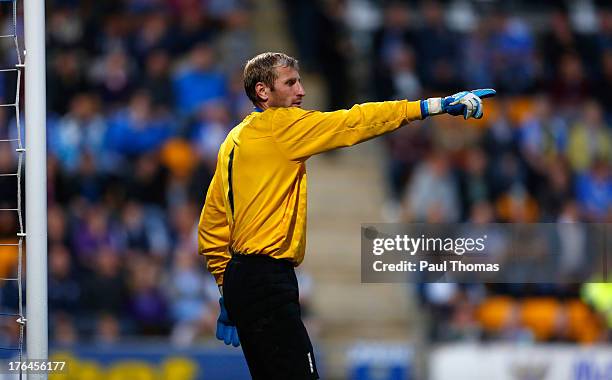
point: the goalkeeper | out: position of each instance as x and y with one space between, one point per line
252 229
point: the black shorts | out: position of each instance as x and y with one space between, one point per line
261 298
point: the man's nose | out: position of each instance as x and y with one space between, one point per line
300 90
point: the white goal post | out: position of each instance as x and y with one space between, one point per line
36 183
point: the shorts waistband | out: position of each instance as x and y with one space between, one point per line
259 258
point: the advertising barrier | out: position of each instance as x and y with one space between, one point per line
520 362
150 362
380 361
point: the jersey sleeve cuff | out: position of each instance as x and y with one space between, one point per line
431 106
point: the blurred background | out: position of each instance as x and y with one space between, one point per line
141 93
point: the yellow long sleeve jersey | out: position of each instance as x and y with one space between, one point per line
256 202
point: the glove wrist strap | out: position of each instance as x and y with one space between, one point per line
431 106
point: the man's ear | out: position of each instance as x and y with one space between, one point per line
262 91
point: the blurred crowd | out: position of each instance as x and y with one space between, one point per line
141 93
543 152
541 155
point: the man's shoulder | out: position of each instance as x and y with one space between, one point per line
284 115
261 124
256 121
285 111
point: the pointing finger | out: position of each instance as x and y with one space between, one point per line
484 92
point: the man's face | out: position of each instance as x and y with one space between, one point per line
288 90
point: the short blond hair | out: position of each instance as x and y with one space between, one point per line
261 68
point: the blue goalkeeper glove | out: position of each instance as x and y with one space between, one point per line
226 329
466 103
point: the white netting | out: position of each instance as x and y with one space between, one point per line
15 316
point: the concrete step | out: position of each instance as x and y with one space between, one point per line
353 302
342 196
343 189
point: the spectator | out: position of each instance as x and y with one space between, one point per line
66 78
570 87
138 236
512 54
57 226
605 34
333 49
157 79
137 129
105 288
147 306
149 182
208 133
177 156
82 130
92 233
557 41
304 29
473 182
63 330
393 36
113 36
87 181
65 29
193 299
432 195
59 190
406 84
500 144
594 192
476 55
108 330
517 205
236 40
114 77
573 245
183 218
589 138
193 28
557 191
199 81
601 91
64 289
543 138
437 50
154 35
544 134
